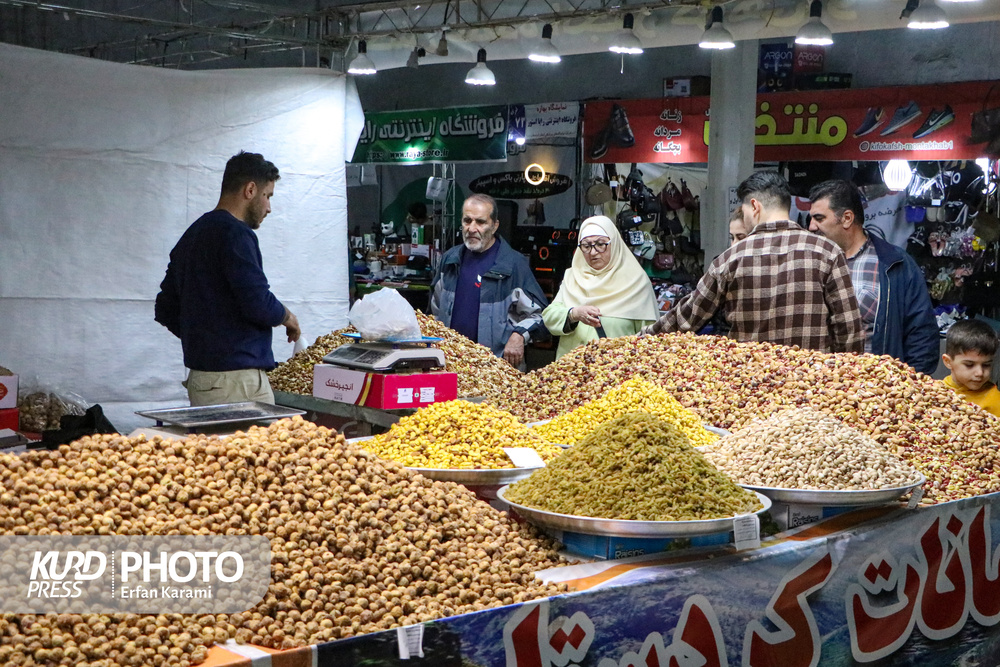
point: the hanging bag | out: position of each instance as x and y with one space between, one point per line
986 122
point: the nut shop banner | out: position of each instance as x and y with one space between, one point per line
879 586
907 122
460 134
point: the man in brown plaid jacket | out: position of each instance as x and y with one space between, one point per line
781 284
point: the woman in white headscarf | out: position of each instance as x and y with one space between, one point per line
604 293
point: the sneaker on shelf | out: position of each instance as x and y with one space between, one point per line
902 116
935 121
874 117
600 146
621 132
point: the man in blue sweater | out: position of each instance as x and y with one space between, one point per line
892 294
216 298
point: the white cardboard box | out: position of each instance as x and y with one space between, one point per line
8 391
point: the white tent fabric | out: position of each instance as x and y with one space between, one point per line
103 168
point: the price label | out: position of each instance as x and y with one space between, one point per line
524 457
915 498
635 237
746 531
427 394
404 395
411 641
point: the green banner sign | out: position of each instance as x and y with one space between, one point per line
463 134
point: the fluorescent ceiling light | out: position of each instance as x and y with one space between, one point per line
481 75
716 36
362 64
626 41
545 51
814 32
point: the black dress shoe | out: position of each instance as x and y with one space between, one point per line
621 133
600 146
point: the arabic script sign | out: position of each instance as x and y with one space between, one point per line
514 185
464 134
906 122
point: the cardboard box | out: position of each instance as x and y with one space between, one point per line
388 391
8 391
10 418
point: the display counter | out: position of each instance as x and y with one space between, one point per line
360 420
916 587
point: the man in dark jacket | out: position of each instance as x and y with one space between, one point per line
892 294
485 290
215 296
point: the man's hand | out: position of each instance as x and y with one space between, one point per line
513 351
291 324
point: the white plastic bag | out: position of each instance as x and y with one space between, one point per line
384 314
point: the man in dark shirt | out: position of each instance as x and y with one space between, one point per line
216 298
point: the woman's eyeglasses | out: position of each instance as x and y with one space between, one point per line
600 246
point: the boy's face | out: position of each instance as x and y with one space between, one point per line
970 369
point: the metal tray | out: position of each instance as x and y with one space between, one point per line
721 432
626 528
211 415
835 498
476 477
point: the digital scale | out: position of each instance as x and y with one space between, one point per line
388 356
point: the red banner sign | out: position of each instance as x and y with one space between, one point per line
907 122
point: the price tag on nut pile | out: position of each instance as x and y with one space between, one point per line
411 641
524 457
746 531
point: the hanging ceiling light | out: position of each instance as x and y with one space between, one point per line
716 36
481 75
362 64
442 48
814 31
897 175
626 41
924 15
544 51
415 55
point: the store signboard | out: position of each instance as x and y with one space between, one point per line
462 134
878 586
906 122
515 185
553 120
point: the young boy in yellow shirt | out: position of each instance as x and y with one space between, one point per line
970 347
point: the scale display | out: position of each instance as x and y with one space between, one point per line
386 357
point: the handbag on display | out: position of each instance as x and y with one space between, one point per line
986 122
670 197
687 199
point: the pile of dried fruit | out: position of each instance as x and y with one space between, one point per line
636 467
728 384
457 435
634 395
480 372
359 544
295 376
801 448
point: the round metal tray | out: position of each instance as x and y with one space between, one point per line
476 477
623 527
835 498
